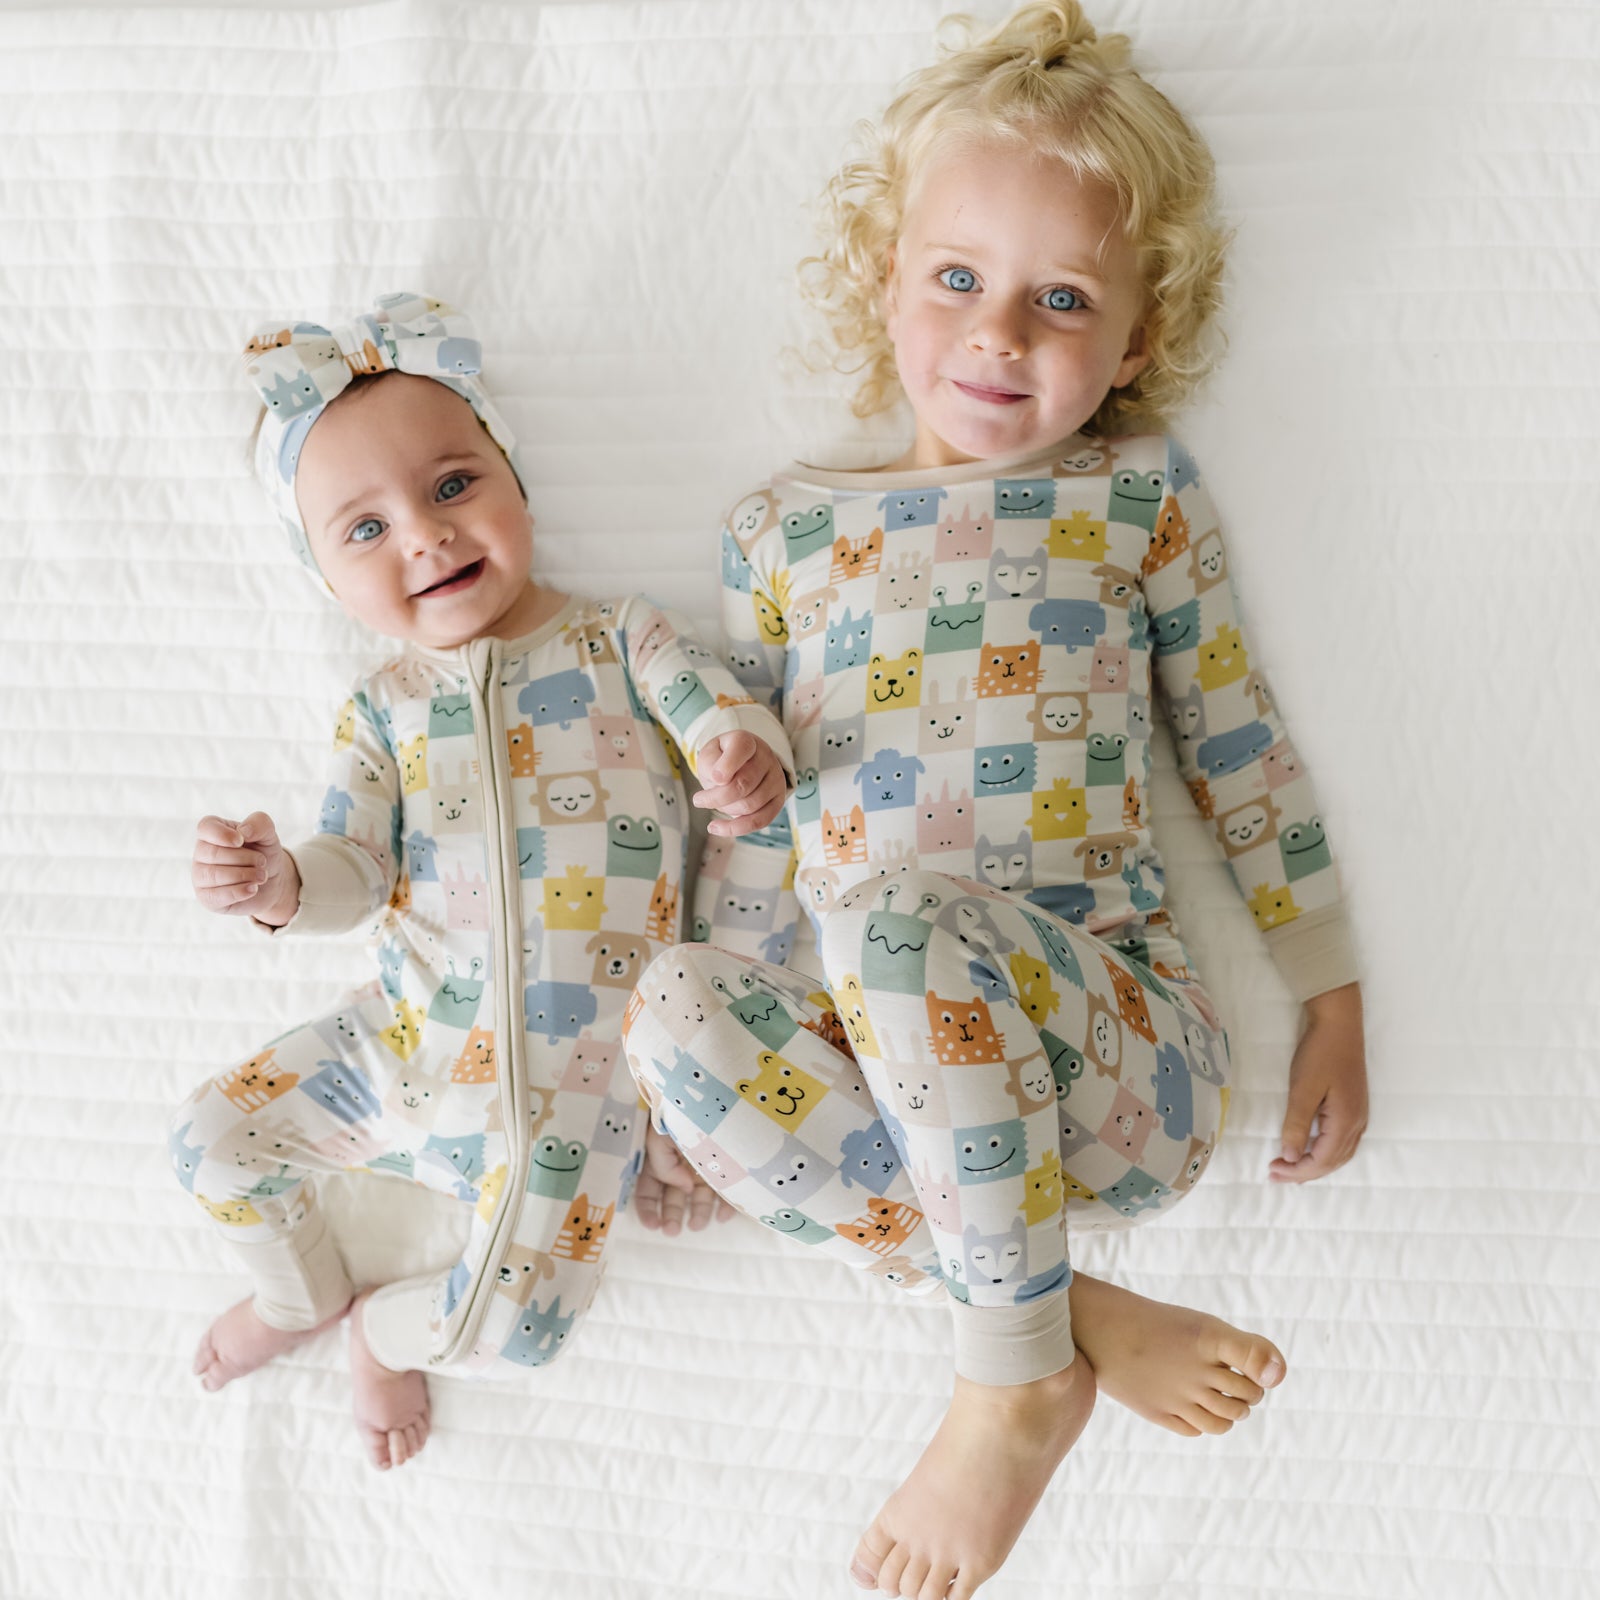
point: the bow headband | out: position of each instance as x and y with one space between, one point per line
298 369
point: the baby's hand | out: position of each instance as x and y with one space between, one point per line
668 1186
744 780
240 869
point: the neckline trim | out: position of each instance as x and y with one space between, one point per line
930 477
456 654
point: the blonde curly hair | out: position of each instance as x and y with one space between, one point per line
1045 80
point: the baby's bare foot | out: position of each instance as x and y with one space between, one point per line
1181 1369
239 1341
955 1519
391 1408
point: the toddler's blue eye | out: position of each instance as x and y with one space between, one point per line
1062 300
455 477
359 536
958 278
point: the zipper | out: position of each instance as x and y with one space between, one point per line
483 661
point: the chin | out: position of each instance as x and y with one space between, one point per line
979 444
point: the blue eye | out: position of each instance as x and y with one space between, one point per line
358 536
455 477
959 279
1063 300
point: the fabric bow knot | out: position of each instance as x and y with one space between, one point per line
299 367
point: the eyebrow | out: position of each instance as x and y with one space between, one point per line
938 248
438 461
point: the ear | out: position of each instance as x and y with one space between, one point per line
1135 358
891 294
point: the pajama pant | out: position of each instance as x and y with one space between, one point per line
335 1095
976 1072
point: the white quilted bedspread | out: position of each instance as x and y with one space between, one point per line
1404 444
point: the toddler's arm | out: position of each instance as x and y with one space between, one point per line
1247 779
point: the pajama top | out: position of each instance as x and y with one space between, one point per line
512 813
965 659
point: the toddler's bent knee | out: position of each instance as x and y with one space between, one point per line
670 961
674 993
887 918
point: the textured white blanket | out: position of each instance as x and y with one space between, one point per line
1403 442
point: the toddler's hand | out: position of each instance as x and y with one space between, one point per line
240 869
1328 1082
744 780
668 1186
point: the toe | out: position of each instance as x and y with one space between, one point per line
1236 1386
377 1443
914 1577
205 1353
1203 1421
1258 1359
889 1572
868 1557
1175 1424
937 1583
1225 1406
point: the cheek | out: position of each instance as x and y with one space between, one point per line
917 341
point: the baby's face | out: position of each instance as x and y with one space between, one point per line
414 515
1014 304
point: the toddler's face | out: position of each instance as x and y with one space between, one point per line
414 515
1008 331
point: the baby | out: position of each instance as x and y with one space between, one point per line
969 645
505 806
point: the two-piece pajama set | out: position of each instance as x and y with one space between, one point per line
1011 1032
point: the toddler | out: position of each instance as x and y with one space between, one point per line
505 804
965 646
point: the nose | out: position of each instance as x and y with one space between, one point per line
423 528
998 328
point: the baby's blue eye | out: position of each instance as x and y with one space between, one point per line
1062 299
359 536
958 278
455 477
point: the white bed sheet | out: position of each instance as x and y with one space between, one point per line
1403 443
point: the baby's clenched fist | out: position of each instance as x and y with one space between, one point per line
241 869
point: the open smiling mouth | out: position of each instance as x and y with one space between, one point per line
461 578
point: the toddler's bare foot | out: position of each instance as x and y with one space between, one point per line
955 1519
1178 1368
391 1407
239 1341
